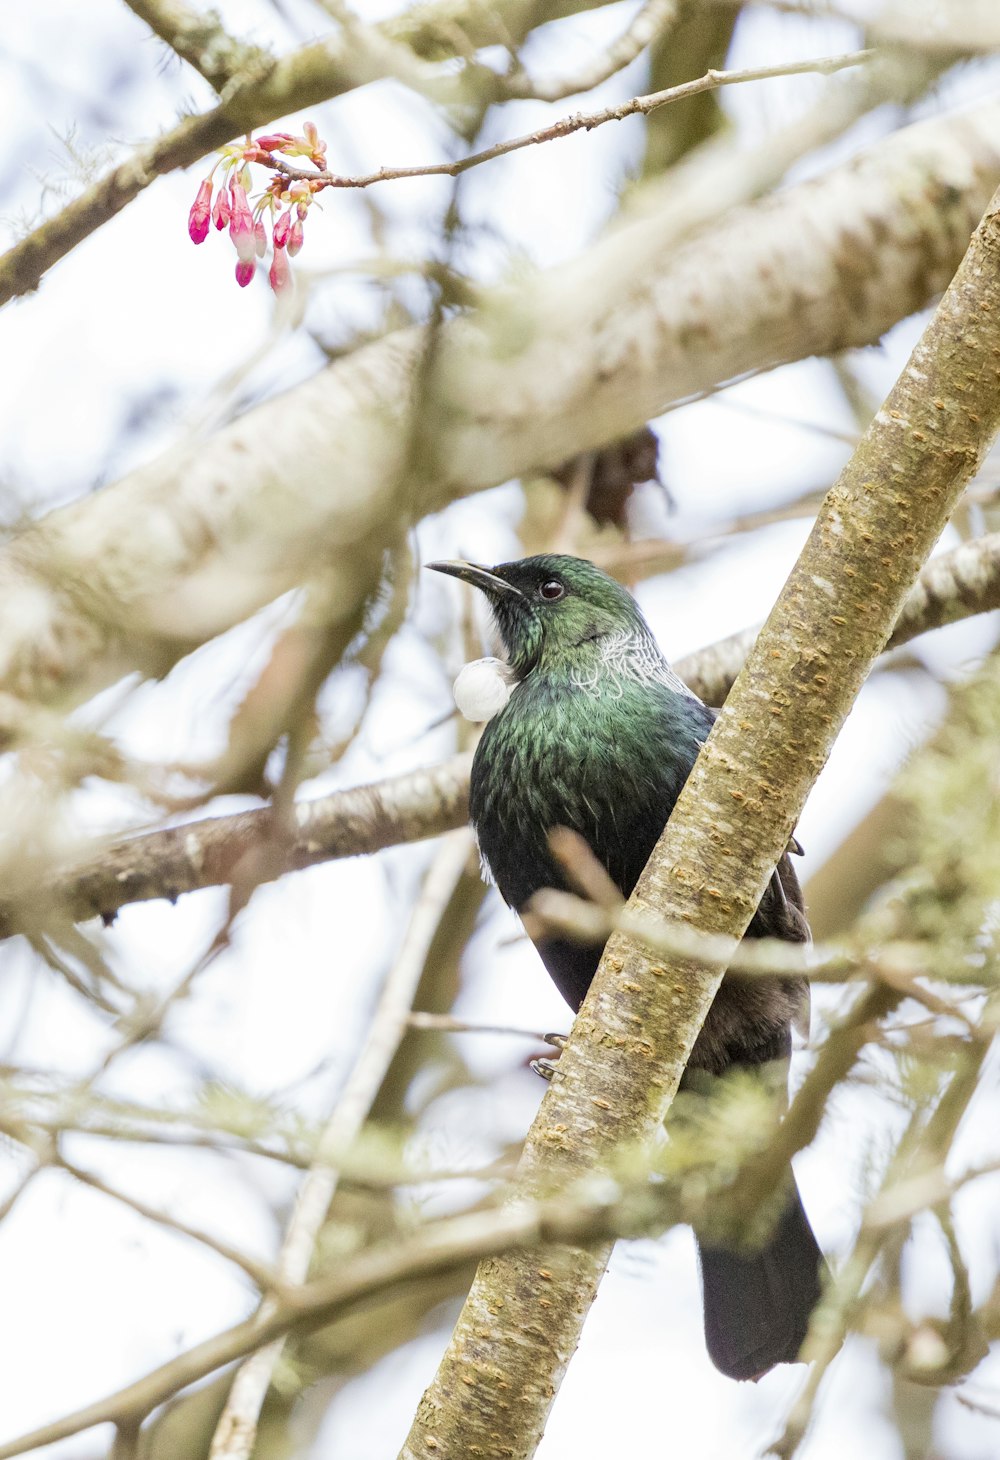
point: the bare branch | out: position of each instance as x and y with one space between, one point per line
583 122
263 1276
209 853
448 1024
652 22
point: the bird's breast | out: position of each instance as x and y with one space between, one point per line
608 767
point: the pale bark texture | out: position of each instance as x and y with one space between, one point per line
136 575
639 1021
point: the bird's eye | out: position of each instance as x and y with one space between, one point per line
552 590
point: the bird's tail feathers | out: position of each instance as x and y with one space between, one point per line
758 1302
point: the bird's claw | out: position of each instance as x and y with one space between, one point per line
544 1067
557 1041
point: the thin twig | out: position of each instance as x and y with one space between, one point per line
917 1193
896 964
448 1024
264 1276
582 122
650 23
925 1141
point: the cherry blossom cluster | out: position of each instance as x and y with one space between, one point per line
284 202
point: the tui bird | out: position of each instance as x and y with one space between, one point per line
599 734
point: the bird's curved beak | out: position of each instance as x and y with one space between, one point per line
490 583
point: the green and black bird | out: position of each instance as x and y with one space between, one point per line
599 735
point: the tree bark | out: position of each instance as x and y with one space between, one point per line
137 574
633 1035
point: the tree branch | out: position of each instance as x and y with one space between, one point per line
639 1021
201 39
654 20
210 853
260 1273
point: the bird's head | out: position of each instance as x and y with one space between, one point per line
549 607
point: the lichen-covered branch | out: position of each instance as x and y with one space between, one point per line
200 38
637 1025
136 574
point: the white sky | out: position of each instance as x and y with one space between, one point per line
137 329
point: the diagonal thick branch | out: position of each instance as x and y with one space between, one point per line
635 1030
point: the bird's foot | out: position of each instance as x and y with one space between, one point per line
544 1067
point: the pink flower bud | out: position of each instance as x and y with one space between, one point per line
241 227
295 238
260 238
222 212
201 210
274 141
280 274
282 225
245 270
